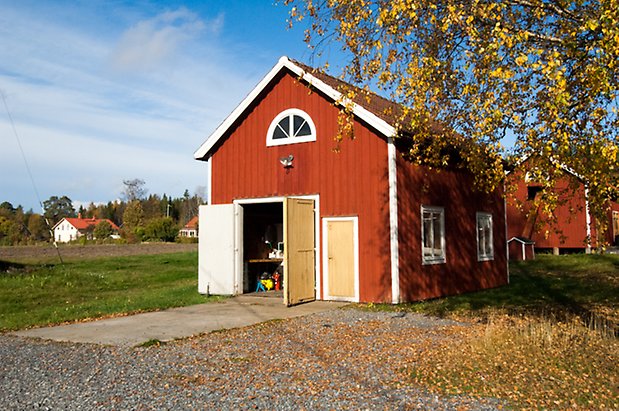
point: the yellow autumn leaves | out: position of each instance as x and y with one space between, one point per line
543 73
531 362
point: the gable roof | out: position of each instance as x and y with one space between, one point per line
383 108
563 167
85 223
191 224
370 108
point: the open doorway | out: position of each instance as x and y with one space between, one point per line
263 249
251 240
278 247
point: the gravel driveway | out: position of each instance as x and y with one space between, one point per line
341 359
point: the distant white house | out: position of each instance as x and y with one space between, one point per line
69 229
190 229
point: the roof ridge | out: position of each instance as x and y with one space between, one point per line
377 112
320 71
82 223
379 105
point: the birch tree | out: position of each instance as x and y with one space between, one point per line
469 73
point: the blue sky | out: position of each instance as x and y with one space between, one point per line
102 91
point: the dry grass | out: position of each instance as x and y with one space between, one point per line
549 340
535 363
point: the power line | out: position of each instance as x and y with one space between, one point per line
21 149
34 186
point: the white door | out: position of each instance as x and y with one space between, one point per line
219 259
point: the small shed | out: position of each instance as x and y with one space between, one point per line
521 249
348 220
572 228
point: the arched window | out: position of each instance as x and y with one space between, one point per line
291 126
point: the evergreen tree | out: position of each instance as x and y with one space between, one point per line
57 208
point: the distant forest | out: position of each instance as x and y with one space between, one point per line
140 216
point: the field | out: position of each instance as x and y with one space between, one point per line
128 279
46 253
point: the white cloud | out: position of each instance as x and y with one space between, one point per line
92 169
85 127
152 42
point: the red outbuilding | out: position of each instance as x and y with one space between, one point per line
292 208
570 227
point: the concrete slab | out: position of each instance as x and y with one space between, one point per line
182 322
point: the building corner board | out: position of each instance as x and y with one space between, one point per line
393 221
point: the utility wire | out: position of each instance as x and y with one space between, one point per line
34 186
21 149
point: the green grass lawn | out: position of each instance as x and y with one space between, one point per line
35 294
578 284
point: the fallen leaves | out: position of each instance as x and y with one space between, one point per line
534 363
524 362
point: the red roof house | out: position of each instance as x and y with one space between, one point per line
69 229
350 221
190 229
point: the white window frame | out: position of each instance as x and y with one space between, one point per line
482 255
290 140
441 257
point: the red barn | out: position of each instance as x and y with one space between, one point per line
571 224
351 221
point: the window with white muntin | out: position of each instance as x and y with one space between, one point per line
433 235
485 248
291 126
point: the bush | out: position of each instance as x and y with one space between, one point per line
161 229
132 236
103 230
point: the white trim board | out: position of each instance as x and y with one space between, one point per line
325 257
506 233
394 241
284 63
209 179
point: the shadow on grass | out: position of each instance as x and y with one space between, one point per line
11 268
560 287
7 267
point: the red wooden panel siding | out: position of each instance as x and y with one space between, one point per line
351 182
570 230
462 272
354 182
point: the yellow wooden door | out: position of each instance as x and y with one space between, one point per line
299 251
341 259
